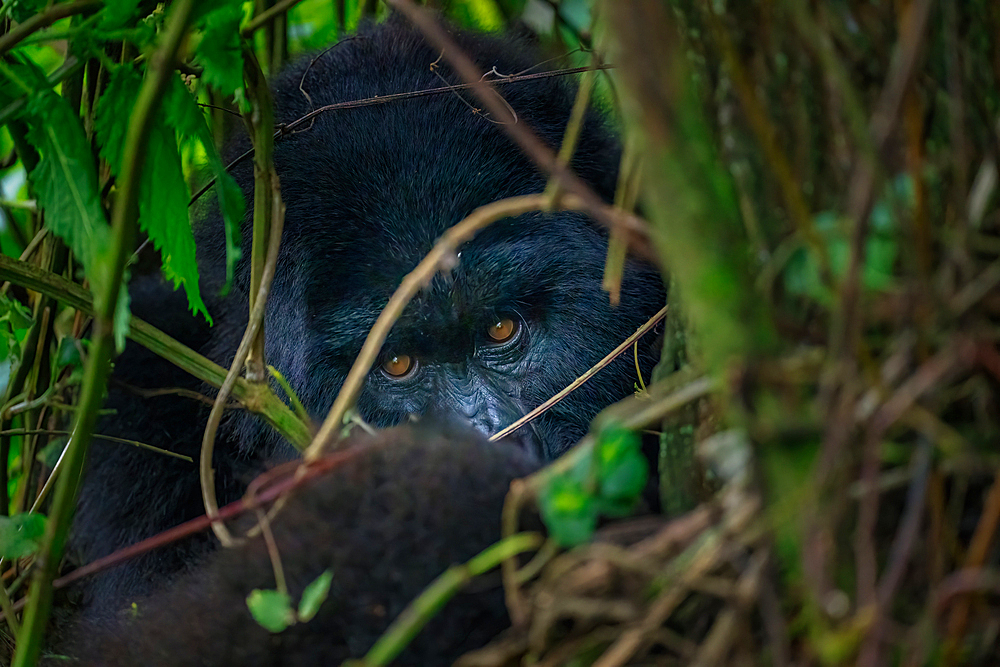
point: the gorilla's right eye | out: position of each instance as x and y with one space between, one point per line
503 330
399 366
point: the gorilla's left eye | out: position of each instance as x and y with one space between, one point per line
503 330
399 366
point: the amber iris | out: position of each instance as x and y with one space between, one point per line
503 330
398 366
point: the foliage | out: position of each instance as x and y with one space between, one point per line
272 609
820 181
20 535
609 482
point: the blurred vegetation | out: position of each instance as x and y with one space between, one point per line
819 182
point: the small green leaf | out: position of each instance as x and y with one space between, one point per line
232 204
568 511
21 535
622 470
15 321
68 353
314 595
271 609
15 314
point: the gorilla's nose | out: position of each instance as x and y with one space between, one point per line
491 418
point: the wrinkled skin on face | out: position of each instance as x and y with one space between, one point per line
368 191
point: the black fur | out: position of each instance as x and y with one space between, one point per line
387 523
368 191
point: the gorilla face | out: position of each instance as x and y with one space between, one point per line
368 192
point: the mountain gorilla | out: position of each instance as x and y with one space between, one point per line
386 523
368 191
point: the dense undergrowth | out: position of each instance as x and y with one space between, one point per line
818 181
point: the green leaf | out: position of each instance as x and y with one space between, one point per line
66 183
232 205
15 321
163 213
117 13
801 273
220 52
113 111
271 609
68 353
569 512
21 10
621 468
184 114
21 535
163 200
14 314
314 595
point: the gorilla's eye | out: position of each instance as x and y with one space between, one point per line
503 330
398 366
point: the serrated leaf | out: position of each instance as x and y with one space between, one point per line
163 213
113 111
184 114
21 10
21 535
66 183
19 75
314 595
220 52
569 512
271 609
163 201
117 13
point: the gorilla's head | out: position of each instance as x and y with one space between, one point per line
368 192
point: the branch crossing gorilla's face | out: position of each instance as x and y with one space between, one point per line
369 191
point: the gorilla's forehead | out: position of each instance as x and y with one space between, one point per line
518 266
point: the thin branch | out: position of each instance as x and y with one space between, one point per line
285 130
442 254
591 372
267 16
206 473
523 136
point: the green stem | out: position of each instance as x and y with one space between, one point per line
427 604
260 125
257 398
123 224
